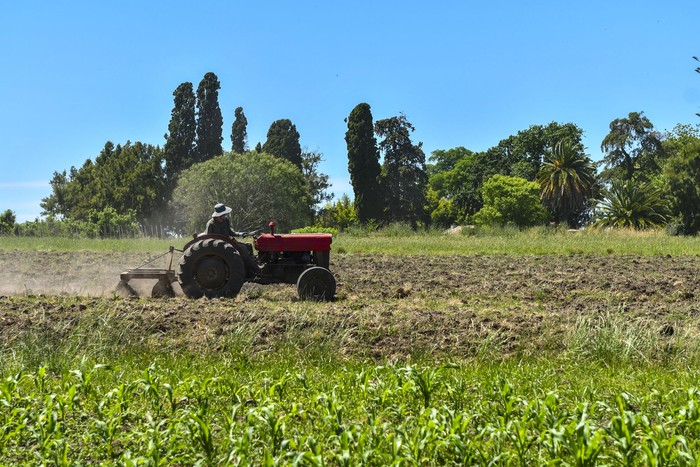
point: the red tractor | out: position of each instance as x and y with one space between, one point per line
215 266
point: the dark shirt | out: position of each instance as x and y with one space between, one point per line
215 227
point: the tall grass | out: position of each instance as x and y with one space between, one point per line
613 338
534 241
400 239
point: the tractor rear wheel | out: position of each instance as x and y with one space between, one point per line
211 268
316 283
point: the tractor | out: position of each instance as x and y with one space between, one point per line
214 266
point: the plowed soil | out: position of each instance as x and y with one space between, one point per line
385 305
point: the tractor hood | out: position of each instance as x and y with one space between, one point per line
293 242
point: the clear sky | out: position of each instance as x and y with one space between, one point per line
77 74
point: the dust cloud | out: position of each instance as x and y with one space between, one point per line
67 273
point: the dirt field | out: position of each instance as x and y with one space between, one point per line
385 305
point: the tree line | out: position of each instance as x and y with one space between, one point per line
177 185
541 175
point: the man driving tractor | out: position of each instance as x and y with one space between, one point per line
219 224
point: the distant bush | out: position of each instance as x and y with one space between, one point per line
316 229
107 223
7 221
511 200
340 215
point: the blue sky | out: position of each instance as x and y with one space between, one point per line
77 74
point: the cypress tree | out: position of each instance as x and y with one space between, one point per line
179 141
209 119
239 132
363 164
283 141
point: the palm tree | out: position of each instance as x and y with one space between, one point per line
630 204
566 180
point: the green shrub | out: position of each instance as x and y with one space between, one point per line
316 229
511 200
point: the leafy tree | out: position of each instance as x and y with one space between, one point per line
8 220
511 200
258 148
682 177
56 203
446 160
283 141
462 184
317 182
628 203
363 164
178 151
522 155
239 132
128 177
404 175
209 119
633 149
442 211
73 195
566 180
258 188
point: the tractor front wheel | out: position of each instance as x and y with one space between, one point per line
316 283
211 268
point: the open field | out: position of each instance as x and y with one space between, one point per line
422 359
387 305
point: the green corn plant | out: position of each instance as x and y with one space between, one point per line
275 425
622 430
427 381
586 442
200 431
149 385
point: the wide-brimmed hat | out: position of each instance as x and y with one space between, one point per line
220 210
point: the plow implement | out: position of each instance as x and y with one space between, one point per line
165 277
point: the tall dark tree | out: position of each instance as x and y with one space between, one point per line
179 141
209 119
239 132
405 178
283 141
632 149
363 164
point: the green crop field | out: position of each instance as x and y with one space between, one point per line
515 348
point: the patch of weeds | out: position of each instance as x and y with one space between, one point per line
542 295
